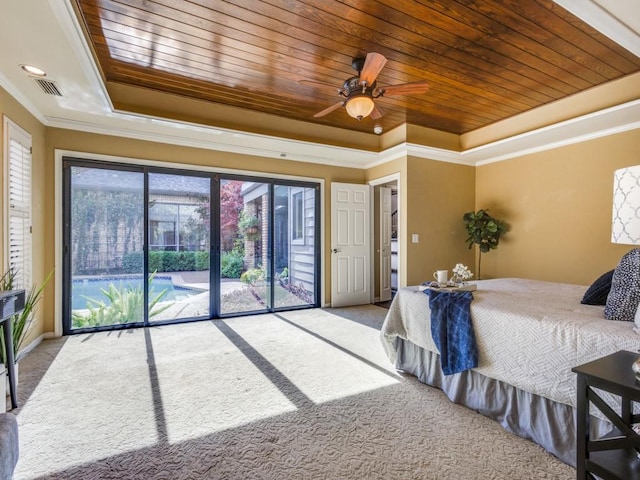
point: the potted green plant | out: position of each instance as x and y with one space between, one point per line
249 226
21 321
484 231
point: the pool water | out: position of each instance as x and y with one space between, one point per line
91 288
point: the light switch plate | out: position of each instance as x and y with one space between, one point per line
415 238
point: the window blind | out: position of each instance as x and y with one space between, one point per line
18 200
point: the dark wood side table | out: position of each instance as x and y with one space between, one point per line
614 456
11 303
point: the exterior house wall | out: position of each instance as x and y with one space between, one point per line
301 260
301 263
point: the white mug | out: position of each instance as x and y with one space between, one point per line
441 276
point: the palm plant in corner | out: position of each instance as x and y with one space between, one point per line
21 321
484 231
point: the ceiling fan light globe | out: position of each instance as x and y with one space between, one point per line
359 106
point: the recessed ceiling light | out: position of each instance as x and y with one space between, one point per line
31 70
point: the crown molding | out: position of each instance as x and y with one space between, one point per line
605 122
609 121
210 138
605 22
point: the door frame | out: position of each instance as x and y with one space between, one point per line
385 241
354 249
374 211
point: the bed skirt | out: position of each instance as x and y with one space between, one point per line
550 424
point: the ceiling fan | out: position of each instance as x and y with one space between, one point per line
359 91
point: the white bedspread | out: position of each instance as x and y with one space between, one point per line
529 333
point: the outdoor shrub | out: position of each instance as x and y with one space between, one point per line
202 261
156 262
283 276
132 262
171 261
184 262
231 264
253 275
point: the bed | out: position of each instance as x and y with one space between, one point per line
529 335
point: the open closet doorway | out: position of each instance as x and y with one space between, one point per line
386 238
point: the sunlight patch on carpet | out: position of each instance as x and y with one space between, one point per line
210 385
102 377
319 369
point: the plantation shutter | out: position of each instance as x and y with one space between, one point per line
18 194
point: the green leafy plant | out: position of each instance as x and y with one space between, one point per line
249 226
126 305
253 276
231 264
283 276
21 321
483 230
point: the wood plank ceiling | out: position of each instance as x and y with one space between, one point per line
485 60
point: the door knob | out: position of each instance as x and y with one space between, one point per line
335 250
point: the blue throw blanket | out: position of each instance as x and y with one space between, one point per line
452 330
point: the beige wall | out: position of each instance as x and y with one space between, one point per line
10 108
558 204
438 195
433 196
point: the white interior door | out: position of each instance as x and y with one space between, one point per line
350 244
385 244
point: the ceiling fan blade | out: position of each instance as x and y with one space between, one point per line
329 110
313 83
413 88
377 112
373 64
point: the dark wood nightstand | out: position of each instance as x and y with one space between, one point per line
614 456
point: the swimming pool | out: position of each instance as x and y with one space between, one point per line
91 288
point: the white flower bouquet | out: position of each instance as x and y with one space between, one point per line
461 273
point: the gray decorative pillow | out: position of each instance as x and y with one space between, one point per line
624 296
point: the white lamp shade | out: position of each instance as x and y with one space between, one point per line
625 226
359 106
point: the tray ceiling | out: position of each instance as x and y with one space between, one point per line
484 60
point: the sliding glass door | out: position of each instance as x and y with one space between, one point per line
269 256
179 209
245 273
154 245
295 252
104 245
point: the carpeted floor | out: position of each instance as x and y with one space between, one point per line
298 395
